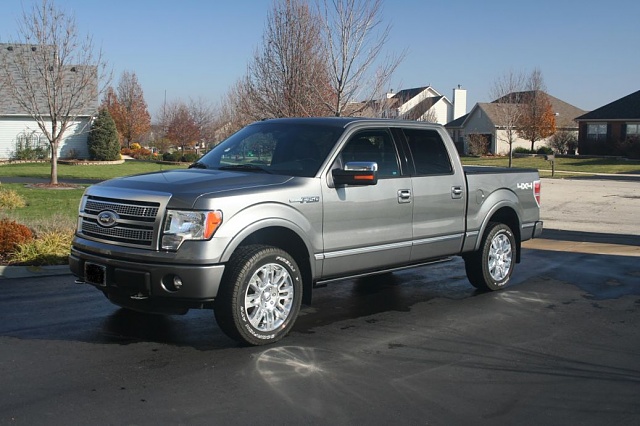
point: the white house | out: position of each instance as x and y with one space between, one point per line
17 127
419 104
426 104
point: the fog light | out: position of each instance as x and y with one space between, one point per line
171 283
177 282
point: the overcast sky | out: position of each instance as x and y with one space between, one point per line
589 52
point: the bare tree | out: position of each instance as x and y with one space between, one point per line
231 115
355 37
203 114
53 74
507 92
537 120
289 69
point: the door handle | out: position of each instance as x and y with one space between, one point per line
456 192
404 196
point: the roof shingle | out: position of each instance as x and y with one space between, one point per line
626 108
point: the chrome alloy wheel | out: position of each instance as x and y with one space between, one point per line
500 257
269 297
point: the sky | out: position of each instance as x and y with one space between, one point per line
588 51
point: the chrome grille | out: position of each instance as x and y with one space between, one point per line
135 225
122 209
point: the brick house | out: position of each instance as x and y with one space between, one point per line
612 129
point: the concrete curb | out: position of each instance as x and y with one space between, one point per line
10 272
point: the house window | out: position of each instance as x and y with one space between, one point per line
633 129
597 132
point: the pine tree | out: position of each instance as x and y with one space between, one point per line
103 141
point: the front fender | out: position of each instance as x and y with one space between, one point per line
272 215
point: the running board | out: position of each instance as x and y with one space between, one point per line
323 283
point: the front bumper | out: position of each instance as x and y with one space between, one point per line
145 285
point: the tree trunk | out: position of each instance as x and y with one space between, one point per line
532 147
510 155
54 163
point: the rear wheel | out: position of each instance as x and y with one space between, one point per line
491 266
259 297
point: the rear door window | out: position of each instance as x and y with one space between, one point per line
430 156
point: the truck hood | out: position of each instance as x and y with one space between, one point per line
186 186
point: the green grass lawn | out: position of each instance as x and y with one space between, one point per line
45 208
576 164
59 207
65 171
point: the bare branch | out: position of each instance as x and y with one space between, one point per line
355 38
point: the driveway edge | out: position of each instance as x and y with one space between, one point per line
9 272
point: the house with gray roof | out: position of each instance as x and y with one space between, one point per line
18 128
487 119
606 130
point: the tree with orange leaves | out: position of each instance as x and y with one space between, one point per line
128 108
538 120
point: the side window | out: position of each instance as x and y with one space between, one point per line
373 145
430 156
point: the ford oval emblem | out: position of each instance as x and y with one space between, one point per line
107 219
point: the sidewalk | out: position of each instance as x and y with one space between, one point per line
608 176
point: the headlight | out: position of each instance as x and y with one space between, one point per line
180 226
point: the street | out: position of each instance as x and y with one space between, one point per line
560 345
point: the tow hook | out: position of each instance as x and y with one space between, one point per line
139 296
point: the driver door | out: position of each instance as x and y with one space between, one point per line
367 227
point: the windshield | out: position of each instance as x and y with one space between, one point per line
278 148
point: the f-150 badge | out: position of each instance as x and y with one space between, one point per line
305 200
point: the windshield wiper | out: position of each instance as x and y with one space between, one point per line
244 167
198 165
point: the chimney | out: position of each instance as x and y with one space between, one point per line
459 102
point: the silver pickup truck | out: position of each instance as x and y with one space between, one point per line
286 205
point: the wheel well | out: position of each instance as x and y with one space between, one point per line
509 217
289 241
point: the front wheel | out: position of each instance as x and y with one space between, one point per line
491 266
260 295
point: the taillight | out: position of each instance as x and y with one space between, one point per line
536 191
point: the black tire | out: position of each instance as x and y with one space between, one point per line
260 295
491 266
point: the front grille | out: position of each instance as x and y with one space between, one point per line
122 209
134 226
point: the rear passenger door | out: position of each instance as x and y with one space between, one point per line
439 195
